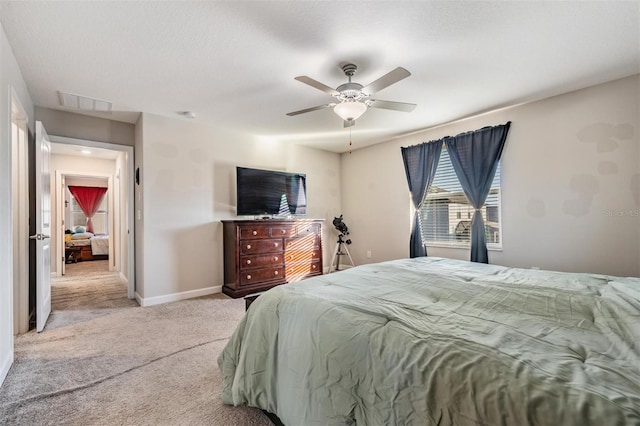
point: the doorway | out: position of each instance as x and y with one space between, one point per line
124 258
71 238
119 195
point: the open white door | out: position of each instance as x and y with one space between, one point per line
43 227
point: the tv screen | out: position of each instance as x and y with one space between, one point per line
269 192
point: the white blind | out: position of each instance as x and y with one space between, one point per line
445 215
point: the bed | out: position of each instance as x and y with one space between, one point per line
92 247
432 341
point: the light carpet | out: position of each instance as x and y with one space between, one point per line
87 290
110 362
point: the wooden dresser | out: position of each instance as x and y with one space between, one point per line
260 254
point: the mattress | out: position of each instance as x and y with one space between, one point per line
78 243
432 341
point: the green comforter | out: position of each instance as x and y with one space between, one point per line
434 341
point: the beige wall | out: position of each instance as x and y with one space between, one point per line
570 182
188 186
68 124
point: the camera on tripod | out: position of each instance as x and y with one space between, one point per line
341 244
342 228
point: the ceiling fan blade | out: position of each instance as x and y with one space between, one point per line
315 108
349 123
386 80
396 106
315 83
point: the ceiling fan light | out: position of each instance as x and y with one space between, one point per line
350 110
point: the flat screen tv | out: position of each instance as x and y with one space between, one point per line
269 192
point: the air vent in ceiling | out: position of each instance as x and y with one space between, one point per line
84 103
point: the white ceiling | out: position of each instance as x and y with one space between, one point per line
233 63
83 151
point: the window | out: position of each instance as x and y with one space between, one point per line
100 222
445 215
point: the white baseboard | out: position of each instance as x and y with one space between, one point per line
174 297
342 268
5 366
123 278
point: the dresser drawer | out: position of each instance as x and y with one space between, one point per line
254 232
257 261
292 256
298 271
306 229
260 246
282 231
261 275
307 242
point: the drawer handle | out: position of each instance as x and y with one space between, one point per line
248 246
284 232
255 232
248 277
290 256
248 262
275 244
314 266
275 258
313 254
275 272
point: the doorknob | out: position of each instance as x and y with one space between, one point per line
39 237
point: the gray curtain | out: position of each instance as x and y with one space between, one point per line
475 156
420 164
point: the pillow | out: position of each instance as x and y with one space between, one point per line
82 236
67 238
79 229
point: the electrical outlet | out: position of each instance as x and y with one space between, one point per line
368 254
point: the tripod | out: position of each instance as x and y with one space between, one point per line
340 246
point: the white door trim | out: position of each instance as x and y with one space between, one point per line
20 219
60 214
129 194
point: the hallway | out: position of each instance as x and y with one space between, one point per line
88 290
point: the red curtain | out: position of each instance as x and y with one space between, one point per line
89 199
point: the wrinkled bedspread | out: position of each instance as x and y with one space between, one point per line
433 341
100 245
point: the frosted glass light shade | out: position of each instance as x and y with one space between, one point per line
350 110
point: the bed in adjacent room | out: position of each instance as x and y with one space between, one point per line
431 341
92 246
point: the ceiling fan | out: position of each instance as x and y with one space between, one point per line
353 99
